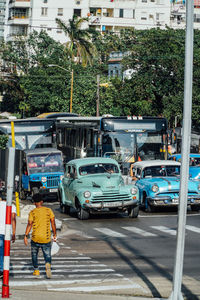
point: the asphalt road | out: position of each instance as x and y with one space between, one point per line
117 255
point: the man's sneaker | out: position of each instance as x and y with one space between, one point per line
1 274
36 273
48 270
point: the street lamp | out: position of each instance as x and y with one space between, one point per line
72 83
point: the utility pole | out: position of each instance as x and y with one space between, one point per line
71 94
185 150
98 96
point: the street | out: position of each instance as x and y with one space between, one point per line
115 255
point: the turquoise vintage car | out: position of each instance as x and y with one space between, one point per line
95 185
159 184
194 158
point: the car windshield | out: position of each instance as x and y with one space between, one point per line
44 163
161 171
98 169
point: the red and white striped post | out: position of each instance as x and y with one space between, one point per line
10 181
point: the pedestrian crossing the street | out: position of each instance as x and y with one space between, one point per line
67 269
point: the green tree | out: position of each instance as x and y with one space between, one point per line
79 47
3 141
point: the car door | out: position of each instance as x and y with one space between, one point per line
67 182
72 185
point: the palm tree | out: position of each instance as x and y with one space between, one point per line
79 47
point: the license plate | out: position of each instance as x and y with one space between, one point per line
53 190
112 204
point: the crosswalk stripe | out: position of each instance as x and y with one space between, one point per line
41 266
164 229
97 288
56 258
193 228
139 231
110 232
63 271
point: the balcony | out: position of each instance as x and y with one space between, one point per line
19 3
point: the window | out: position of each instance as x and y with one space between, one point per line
77 12
60 11
144 1
143 16
45 1
197 18
59 30
44 11
121 13
133 13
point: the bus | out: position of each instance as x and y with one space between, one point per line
30 133
126 139
175 140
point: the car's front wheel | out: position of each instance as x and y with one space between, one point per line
133 211
82 213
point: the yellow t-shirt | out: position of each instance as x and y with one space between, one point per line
41 230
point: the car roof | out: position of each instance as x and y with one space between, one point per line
151 163
42 151
92 160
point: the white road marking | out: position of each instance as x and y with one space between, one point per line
36 282
165 229
193 228
57 258
97 288
110 232
93 275
64 271
139 231
42 266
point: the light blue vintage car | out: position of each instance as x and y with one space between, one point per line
159 184
95 185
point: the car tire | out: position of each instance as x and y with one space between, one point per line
82 213
133 211
149 208
195 207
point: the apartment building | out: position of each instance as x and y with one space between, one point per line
24 16
2 17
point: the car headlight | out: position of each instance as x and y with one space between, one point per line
155 188
134 191
87 194
61 177
43 179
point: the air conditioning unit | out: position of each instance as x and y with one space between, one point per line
78 2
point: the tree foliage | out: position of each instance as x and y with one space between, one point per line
155 56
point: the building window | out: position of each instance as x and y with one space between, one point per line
197 18
77 12
144 1
45 1
44 11
121 13
143 16
133 13
60 11
59 30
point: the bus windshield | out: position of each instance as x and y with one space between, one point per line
129 146
44 163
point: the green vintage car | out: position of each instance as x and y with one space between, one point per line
95 185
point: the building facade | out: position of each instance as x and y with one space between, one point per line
20 17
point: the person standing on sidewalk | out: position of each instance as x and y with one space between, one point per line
39 221
2 229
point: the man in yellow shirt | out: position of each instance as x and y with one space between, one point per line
39 221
